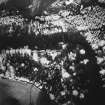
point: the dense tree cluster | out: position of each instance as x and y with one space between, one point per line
69 77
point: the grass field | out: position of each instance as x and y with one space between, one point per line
18 93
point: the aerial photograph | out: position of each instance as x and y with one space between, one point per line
52 52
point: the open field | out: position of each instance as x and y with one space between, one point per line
18 93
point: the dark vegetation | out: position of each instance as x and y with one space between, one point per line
82 77
28 8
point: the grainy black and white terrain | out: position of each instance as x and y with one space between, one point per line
52 52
